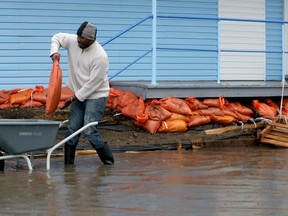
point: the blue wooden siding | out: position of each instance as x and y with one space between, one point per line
26 27
274 11
173 34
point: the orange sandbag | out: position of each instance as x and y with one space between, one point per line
273 104
6 105
66 93
40 96
54 88
231 113
220 102
177 116
150 125
176 105
14 91
264 110
141 118
39 88
198 121
156 112
134 108
4 96
126 98
211 111
172 126
238 107
195 104
223 120
113 98
242 117
21 97
285 105
218 112
32 103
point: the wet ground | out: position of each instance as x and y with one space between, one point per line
225 181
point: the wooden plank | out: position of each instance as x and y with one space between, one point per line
279 125
274 142
234 128
279 129
61 154
276 133
265 131
280 138
85 152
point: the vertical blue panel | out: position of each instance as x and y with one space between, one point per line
180 33
274 11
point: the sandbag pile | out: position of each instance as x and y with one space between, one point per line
158 115
30 97
176 115
50 97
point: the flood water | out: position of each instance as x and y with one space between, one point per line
228 181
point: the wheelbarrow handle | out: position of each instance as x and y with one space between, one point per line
63 123
49 152
66 121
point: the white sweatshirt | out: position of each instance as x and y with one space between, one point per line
88 68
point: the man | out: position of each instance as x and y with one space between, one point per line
88 68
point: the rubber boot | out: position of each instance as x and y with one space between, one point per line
105 154
69 154
2 163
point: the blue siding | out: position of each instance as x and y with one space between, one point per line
274 11
27 26
186 34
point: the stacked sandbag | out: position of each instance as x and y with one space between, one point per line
159 115
175 114
16 98
30 97
264 109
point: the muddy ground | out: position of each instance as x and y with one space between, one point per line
122 135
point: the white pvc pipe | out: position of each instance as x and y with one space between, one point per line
283 68
219 51
154 42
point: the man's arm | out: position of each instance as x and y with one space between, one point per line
60 40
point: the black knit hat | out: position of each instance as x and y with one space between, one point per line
87 30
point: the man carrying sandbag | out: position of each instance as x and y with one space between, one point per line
88 79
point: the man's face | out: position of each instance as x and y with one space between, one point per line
83 42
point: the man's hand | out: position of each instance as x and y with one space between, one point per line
68 102
55 56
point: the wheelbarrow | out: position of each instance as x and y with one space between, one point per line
18 137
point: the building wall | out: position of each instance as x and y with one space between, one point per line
188 35
27 27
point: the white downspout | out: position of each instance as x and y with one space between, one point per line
154 42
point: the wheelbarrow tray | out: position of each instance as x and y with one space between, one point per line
18 136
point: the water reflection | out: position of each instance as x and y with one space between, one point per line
236 181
